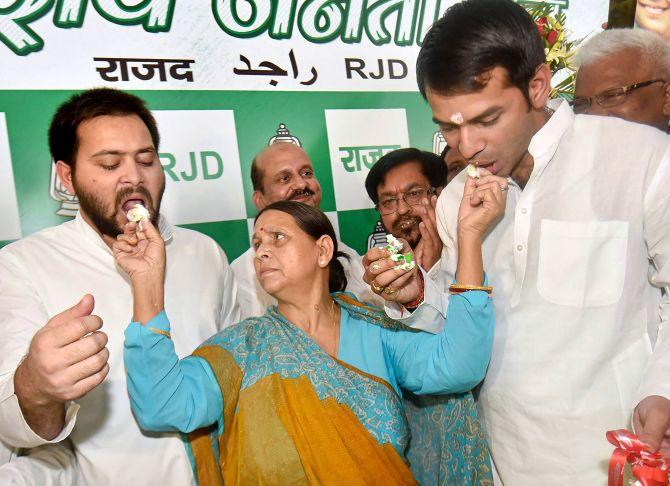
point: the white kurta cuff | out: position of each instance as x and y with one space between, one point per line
52 465
430 314
14 430
434 272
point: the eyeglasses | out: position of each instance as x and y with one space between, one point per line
610 97
389 205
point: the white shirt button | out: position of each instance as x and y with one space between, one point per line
524 210
519 247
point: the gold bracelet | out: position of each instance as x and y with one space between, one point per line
159 331
458 288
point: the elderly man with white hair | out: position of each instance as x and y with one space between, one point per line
625 73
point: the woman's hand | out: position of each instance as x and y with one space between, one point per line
483 203
140 254
393 285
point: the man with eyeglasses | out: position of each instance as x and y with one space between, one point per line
404 185
625 73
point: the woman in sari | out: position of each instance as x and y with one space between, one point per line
309 393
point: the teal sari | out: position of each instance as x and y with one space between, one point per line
294 413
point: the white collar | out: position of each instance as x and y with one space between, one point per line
545 142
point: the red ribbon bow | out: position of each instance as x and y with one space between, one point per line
648 468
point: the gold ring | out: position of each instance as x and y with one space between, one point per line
389 290
377 289
376 267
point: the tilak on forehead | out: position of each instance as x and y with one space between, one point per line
457 118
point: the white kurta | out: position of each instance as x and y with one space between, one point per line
439 276
570 266
47 465
254 300
45 273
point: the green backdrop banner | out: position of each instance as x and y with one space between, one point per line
335 77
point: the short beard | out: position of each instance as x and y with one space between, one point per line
408 229
105 223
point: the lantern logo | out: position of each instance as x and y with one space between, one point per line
284 136
439 143
378 236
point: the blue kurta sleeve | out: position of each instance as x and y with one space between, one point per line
453 361
167 394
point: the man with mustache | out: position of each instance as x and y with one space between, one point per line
61 375
284 172
625 73
404 185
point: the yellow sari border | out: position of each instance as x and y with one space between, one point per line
381 381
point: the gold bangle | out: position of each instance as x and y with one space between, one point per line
159 331
458 288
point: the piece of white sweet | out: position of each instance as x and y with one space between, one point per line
138 214
407 262
407 266
473 171
394 246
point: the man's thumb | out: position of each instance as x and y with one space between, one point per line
81 309
653 430
150 231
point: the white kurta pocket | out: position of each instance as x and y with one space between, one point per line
582 263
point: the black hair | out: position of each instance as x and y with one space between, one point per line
445 151
63 140
256 176
316 224
473 37
432 166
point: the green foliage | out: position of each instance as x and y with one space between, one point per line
559 48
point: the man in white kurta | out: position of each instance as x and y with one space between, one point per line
280 172
584 242
48 271
47 465
569 263
45 273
